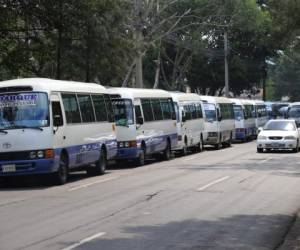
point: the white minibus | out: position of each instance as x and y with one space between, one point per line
145 123
244 115
52 127
219 121
261 115
190 122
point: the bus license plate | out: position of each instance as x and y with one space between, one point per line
8 168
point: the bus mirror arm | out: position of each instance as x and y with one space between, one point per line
57 122
140 120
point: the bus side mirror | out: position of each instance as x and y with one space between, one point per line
183 117
220 118
57 121
173 116
140 120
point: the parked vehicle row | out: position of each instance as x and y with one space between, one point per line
53 127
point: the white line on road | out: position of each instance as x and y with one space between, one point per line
92 183
265 160
84 241
212 183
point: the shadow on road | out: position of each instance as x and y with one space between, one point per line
238 232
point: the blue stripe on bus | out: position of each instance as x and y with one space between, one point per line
153 145
78 155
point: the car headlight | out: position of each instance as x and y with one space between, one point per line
290 137
262 137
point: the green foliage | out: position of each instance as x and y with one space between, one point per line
95 40
287 75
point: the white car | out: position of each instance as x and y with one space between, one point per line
278 134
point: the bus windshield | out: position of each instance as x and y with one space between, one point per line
21 110
123 111
210 112
238 112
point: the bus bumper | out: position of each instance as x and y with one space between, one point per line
28 167
240 135
127 153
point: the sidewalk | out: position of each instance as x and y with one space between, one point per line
292 240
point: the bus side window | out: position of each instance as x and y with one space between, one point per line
57 114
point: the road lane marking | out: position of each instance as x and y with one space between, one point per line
92 183
95 236
213 183
265 160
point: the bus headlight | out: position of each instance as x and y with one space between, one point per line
40 154
32 155
127 144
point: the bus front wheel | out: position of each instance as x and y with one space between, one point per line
140 161
100 165
167 152
61 176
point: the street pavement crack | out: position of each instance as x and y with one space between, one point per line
150 196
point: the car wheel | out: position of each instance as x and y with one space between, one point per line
296 149
260 150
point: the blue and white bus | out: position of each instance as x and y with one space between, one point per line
219 121
145 123
52 127
244 114
261 115
190 122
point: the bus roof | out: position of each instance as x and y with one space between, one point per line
182 97
132 93
215 99
49 85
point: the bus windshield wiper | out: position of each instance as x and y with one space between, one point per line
3 131
29 127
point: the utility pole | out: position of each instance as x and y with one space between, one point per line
138 42
226 63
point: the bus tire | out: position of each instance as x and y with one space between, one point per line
140 161
61 176
219 144
229 141
200 145
100 165
167 152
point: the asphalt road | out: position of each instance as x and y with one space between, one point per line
233 198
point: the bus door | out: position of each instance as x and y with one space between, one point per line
57 121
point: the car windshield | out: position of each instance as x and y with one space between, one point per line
294 112
210 112
123 111
280 125
238 112
20 110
